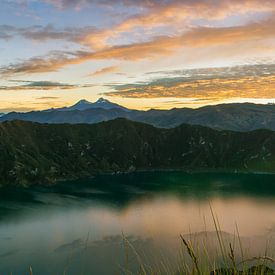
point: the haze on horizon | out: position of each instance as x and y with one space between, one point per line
140 54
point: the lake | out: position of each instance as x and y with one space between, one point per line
110 224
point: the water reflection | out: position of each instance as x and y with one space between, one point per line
78 226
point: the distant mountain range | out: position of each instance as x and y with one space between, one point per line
32 153
237 117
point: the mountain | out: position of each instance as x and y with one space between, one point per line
32 153
73 117
236 117
2 114
101 103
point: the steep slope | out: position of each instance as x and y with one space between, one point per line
36 153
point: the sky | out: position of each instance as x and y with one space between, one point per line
142 54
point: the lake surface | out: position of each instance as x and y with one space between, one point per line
108 224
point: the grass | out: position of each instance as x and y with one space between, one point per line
198 266
190 262
195 258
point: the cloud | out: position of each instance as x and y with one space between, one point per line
48 32
47 98
54 62
5 36
30 105
106 70
224 83
107 3
152 14
220 72
251 36
157 4
177 14
40 85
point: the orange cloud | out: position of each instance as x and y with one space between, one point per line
41 85
200 37
246 87
254 81
106 70
175 13
154 13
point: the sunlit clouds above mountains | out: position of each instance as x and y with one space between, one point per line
206 85
139 53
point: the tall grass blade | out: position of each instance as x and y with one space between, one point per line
191 254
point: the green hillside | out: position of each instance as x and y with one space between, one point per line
32 153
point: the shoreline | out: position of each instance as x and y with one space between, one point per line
140 171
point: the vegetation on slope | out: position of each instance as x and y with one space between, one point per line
43 153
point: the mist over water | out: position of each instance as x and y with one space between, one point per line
77 227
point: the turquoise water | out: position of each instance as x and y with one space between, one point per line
77 227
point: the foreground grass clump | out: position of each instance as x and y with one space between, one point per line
231 266
196 259
203 265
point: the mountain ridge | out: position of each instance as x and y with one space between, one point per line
235 116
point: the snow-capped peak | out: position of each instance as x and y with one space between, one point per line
103 100
84 101
102 103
